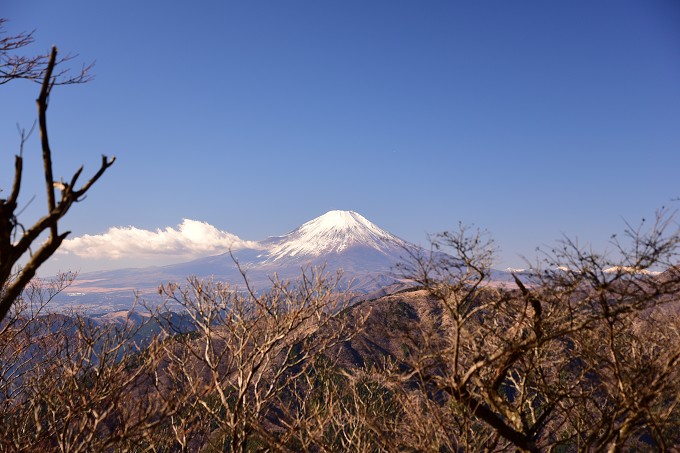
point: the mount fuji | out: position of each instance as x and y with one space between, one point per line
335 232
338 240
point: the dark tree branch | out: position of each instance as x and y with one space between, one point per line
16 186
11 253
44 139
24 276
14 67
535 304
480 410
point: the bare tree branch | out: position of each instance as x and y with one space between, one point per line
15 67
11 252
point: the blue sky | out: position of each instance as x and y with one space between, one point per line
530 119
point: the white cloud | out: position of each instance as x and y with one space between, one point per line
191 238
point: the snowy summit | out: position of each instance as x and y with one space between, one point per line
335 231
336 241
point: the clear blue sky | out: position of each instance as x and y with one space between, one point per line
531 119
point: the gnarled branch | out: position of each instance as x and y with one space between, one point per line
11 253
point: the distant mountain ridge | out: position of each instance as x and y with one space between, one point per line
339 240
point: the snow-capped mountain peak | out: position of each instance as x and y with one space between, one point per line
334 231
347 222
342 241
338 220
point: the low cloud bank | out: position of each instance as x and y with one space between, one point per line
191 238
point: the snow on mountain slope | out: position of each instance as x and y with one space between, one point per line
338 240
333 232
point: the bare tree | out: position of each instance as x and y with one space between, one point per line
16 239
14 66
70 383
26 329
247 364
579 354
